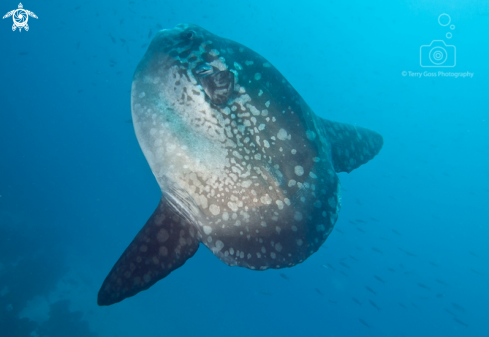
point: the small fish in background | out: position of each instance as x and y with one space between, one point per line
391 270
121 22
440 295
343 273
473 254
378 278
450 312
406 252
441 282
402 305
266 293
460 322
329 266
344 264
377 250
374 305
150 33
353 258
361 230
22 53
285 277
374 219
396 232
364 323
80 91
319 291
421 285
359 202
356 301
112 38
371 290
414 305
360 221
128 121
339 231
458 307
476 272
331 301
433 264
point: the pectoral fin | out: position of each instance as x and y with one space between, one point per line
163 245
351 146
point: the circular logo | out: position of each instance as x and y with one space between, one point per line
438 55
444 19
20 17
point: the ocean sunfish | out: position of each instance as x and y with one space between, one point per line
244 165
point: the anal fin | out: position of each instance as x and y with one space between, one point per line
164 244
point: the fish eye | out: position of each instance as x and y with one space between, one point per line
203 70
190 34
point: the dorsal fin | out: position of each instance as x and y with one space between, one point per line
351 146
164 244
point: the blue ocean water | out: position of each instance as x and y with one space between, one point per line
408 256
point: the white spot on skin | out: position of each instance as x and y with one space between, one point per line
266 143
266 199
273 255
298 216
162 235
267 104
278 247
280 204
294 228
207 230
292 182
282 134
293 151
225 216
233 206
219 246
287 201
142 94
299 170
257 76
214 209
299 242
163 251
278 229
311 135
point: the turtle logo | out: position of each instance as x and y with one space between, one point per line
20 17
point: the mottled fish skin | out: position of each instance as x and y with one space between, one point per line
239 156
